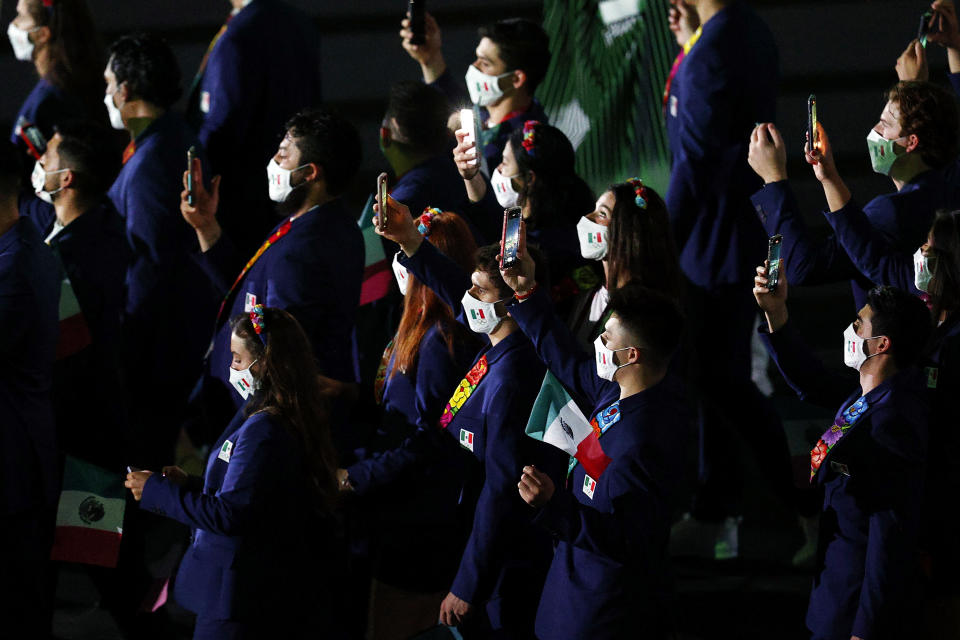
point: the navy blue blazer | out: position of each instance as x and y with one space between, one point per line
169 306
495 138
255 541
900 221
314 272
262 70
873 480
723 87
437 183
29 296
611 557
88 394
414 516
45 107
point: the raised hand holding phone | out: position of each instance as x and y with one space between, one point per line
521 277
398 224
773 261
510 240
773 302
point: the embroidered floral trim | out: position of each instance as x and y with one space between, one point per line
832 436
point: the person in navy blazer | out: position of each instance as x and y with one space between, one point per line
261 69
724 83
313 265
870 462
87 234
497 584
512 54
610 573
413 520
142 83
926 138
29 477
260 558
61 40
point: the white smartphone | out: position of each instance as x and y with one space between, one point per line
467 124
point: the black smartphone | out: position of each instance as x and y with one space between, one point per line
925 28
773 261
510 241
812 137
382 195
191 156
416 9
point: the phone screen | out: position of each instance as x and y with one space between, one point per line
511 237
467 124
773 261
812 135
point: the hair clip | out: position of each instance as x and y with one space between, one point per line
256 319
528 136
426 219
640 190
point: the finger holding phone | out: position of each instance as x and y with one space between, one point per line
521 275
202 213
135 482
773 302
400 226
912 63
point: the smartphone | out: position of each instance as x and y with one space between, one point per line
510 241
467 124
382 194
416 9
812 135
773 261
191 156
925 28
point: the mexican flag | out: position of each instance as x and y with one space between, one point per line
74 332
89 516
376 268
557 420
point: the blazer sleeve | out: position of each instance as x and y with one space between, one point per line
620 535
870 250
222 263
455 91
247 481
558 347
499 509
805 374
444 276
808 261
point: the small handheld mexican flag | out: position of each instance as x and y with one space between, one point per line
376 268
557 420
89 516
74 332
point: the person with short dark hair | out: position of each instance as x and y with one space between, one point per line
512 59
311 264
142 83
29 481
61 39
613 525
416 143
261 67
88 236
501 572
261 556
870 461
913 143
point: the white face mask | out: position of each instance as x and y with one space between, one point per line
243 381
278 180
20 41
38 180
401 274
507 196
606 367
593 239
883 152
484 89
922 271
116 118
481 316
853 345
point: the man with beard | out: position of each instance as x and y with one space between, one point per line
310 265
